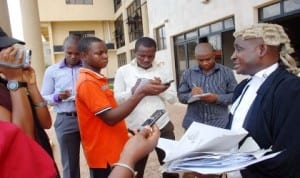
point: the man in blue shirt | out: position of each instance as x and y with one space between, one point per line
59 90
211 85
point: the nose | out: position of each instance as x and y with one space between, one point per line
105 55
233 56
147 59
74 55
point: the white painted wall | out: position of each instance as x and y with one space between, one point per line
180 16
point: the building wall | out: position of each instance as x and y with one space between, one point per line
4 22
59 18
178 16
182 16
58 10
61 30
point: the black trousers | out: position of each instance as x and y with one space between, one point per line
100 172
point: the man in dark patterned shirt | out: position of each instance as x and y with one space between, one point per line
210 85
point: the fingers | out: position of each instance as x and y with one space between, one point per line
9 55
149 86
197 90
148 131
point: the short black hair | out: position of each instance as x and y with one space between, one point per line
71 39
85 43
145 41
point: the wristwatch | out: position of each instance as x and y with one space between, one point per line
13 85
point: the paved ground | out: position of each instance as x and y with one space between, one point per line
176 112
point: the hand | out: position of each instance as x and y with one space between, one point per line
140 145
29 76
150 87
197 91
64 94
8 56
209 97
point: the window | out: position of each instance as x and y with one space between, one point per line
117 4
132 54
161 37
279 9
82 34
218 34
270 11
119 33
285 13
290 6
79 1
122 59
134 20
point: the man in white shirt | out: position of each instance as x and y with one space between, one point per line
144 67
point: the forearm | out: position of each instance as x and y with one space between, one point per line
224 99
122 96
21 111
117 114
184 97
123 171
40 106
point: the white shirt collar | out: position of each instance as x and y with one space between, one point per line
267 71
156 63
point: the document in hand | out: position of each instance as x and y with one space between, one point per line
209 150
196 97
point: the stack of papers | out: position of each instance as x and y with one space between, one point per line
210 150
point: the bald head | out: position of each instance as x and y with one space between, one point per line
203 48
205 56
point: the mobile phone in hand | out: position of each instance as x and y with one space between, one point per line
153 118
168 83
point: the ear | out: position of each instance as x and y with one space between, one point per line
263 48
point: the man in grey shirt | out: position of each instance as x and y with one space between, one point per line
211 85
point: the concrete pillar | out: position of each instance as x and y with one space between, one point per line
4 21
29 28
145 18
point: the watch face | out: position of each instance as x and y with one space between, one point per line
12 85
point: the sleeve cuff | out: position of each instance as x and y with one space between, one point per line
56 98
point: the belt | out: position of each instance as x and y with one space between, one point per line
74 114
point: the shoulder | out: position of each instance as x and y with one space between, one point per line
193 69
224 68
125 67
288 82
53 67
86 75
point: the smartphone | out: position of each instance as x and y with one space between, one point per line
154 117
168 83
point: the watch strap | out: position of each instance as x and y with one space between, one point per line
22 84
